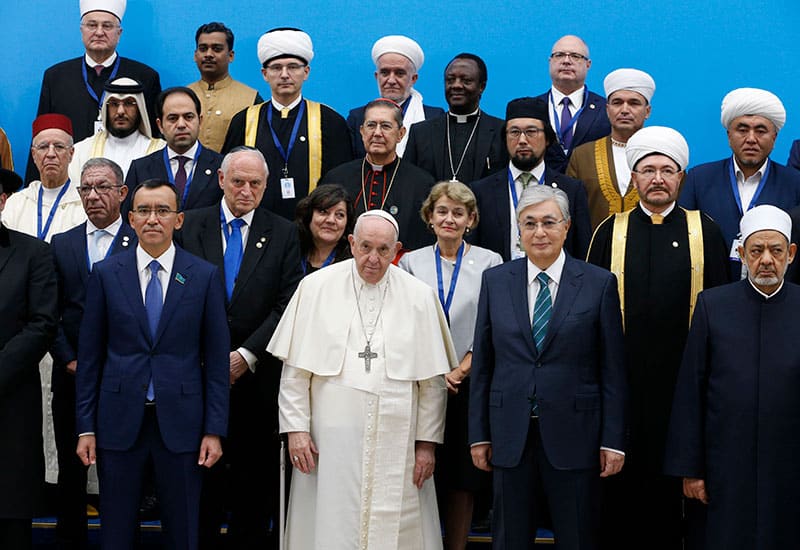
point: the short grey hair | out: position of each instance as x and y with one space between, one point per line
102 162
536 194
226 161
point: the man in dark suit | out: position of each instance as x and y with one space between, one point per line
102 191
527 134
260 259
28 297
576 114
466 145
75 87
152 375
184 162
548 394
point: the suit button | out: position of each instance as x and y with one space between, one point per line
538 365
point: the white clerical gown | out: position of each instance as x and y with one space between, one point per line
123 151
364 423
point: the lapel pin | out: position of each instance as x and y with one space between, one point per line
393 210
554 184
674 244
302 138
125 240
259 245
180 278
591 105
208 171
218 112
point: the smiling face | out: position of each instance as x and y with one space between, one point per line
767 256
327 224
212 56
450 219
462 86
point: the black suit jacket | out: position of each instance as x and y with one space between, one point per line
72 269
592 124
356 117
204 189
28 296
427 148
494 229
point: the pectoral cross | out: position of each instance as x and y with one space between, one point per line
367 355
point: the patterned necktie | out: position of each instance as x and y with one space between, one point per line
566 118
95 255
541 310
180 175
153 304
525 178
657 219
233 255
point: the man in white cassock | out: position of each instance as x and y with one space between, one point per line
362 398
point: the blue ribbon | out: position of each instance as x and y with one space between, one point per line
42 233
284 153
447 302
108 252
189 177
89 88
557 117
328 261
735 187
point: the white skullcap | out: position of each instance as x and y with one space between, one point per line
765 217
285 42
753 101
377 213
402 45
657 140
114 7
630 79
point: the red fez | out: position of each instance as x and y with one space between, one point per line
52 120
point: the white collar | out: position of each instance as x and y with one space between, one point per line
111 229
167 259
248 218
105 63
665 213
764 294
190 153
575 98
461 119
553 271
740 175
538 171
292 105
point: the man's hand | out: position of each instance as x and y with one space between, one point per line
87 449
210 451
695 488
425 460
238 366
610 463
458 374
302 451
72 366
482 456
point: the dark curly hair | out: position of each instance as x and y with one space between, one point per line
324 196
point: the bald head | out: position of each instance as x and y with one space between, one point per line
569 63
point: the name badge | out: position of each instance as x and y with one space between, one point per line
287 188
516 251
98 125
734 254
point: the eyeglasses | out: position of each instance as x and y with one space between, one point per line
92 26
530 133
666 173
574 56
45 146
161 212
127 104
277 68
101 189
547 225
371 126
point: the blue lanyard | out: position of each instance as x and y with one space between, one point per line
189 177
89 88
447 302
572 122
42 233
328 261
225 228
513 189
284 153
735 187
108 252
405 105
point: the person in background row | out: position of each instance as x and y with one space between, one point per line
324 219
454 267
6 159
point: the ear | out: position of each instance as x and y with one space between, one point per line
792 252
160 127
402 132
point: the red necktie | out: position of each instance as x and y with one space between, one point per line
98 69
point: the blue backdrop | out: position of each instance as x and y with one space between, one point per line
696 51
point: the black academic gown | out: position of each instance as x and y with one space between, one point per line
486 154
736 415
335 151
404 199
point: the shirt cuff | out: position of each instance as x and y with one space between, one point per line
612 450
481 443
85 433
249 358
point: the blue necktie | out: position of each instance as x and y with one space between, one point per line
566 118
541 310
153 304
233 255
94 246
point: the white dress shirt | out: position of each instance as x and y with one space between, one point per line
538 177
747 186
143 259
107 238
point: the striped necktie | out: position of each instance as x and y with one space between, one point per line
542 310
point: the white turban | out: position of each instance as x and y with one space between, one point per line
121 89
657 140
377 213
285 42
630 79
753 101
765 217
402 45
114 7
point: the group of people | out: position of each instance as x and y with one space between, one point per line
403 295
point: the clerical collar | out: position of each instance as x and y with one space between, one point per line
764 294
190 153
105 63
575 98
290 106
219 84
740 174
537 172
248 218
111 228
665 213
381 167
461 119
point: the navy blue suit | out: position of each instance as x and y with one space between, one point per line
494 230
188 360
355 118
578 381
204 189
708 188
794 155
592 124
72 268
